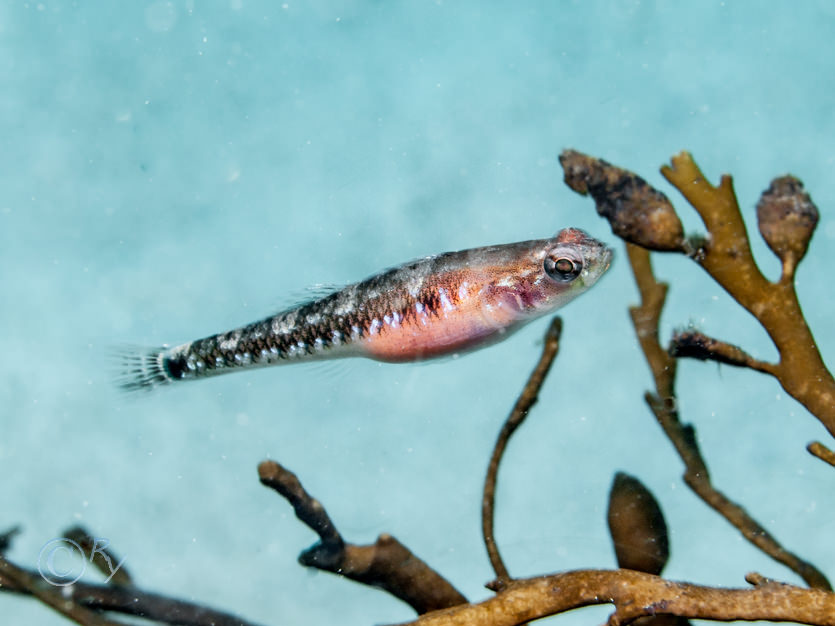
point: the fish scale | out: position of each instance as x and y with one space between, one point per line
440 305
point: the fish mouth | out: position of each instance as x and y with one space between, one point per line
598 260
607 256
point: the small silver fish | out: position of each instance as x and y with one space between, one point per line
427 308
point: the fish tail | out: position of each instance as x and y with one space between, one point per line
142 369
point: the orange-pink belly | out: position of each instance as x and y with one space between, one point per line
422 335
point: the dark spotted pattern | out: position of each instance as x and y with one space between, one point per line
336 320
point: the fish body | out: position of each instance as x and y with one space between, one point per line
436 306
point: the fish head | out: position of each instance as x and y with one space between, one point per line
555 271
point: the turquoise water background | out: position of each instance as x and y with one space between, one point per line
173 169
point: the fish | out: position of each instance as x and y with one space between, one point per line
432 307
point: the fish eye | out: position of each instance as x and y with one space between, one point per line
563 266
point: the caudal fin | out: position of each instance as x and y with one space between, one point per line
141 369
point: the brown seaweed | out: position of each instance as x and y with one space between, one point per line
647 221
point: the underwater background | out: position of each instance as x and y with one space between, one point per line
173 169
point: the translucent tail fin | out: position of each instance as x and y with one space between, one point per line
141 369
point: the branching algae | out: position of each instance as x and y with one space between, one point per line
646 220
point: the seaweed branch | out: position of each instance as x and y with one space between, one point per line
386 564
662 402
85 603
683 436
520 411
636 594
101 558
786 218
822 452
15 577
7 537
695 345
